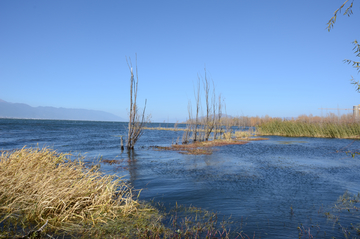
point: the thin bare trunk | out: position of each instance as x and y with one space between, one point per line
128 144
136 121
214 112
228 129
186 135
208 125
197 99
219 116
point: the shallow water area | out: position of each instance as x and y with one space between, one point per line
269 187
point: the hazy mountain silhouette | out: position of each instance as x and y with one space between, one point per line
24 111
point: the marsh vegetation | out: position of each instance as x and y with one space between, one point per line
330 126
333 126
269 187
41 186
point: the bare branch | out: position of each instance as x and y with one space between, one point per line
348 12
136 122
197 99
356 84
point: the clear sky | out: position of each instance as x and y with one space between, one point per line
265 57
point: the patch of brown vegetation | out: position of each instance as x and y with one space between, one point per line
253 139
44 185
111 162
199 148
197 152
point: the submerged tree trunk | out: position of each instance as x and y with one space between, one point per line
186 135
128 144
219 117
209 120
197 99
136 121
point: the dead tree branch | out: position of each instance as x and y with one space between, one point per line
136 121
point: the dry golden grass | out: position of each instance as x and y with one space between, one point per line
47 190
243 134
218 142
196 151
247 135
45 185
200 148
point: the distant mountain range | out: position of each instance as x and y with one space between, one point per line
24 111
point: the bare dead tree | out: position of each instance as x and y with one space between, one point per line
136 121
197 99
214 118
219 115
209 122
228 129
202 129
189 126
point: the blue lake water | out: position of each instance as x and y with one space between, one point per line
256 184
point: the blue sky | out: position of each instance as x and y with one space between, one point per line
265 57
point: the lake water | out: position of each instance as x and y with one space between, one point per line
256 184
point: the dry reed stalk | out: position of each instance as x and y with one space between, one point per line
200 148
227 136
245 134
41 185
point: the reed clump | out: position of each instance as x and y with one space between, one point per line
243 134
296 128
199 147
247 135
39 185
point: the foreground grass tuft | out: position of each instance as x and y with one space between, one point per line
45 194
39 185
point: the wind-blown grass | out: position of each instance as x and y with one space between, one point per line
43 185
40 188
306 129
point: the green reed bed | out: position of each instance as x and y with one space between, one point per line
305 129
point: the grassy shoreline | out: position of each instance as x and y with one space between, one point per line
307 129
46 194
40 187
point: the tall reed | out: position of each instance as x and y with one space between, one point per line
307 129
